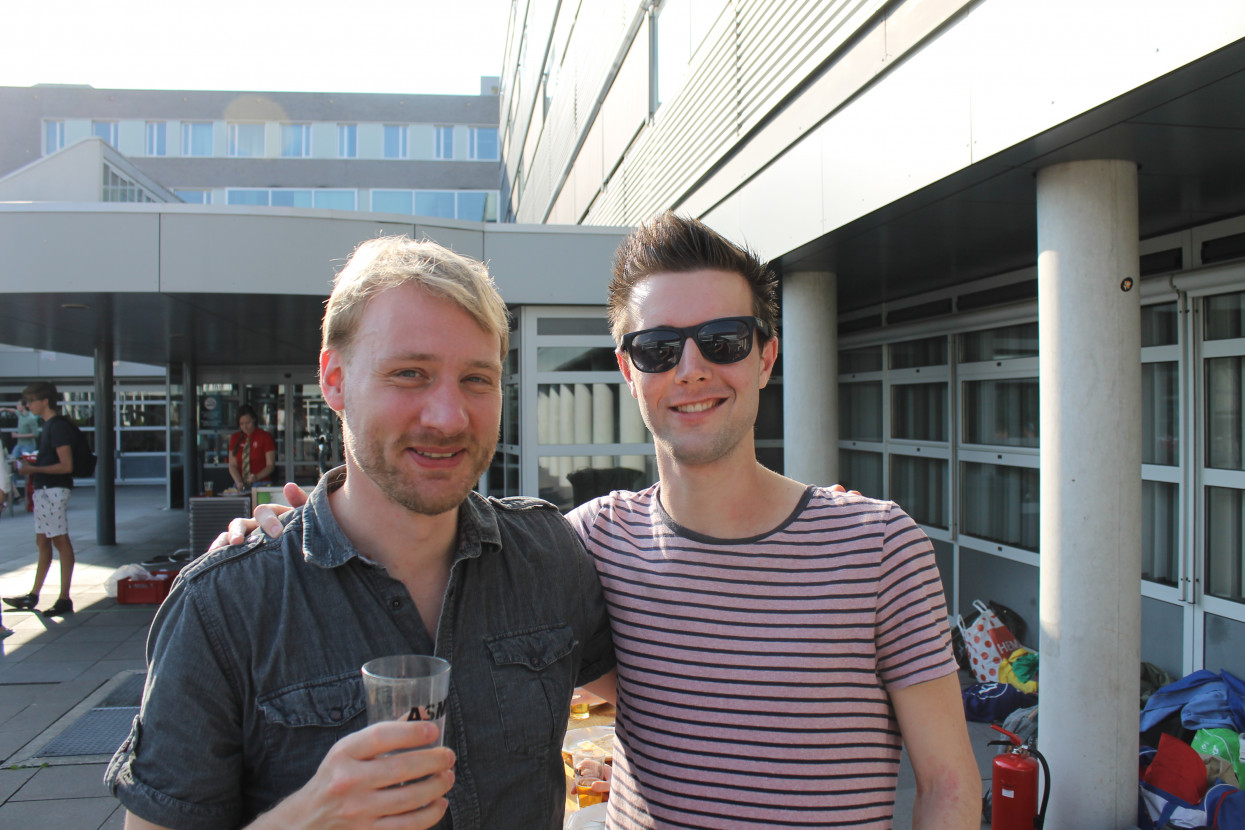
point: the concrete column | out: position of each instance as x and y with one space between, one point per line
190 434
810 377
1089 337
105 435
603 418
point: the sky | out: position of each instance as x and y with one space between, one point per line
405 46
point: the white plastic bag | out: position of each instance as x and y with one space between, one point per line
124 572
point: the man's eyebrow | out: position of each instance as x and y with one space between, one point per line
426 357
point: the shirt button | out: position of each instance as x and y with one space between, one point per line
335 715
395 604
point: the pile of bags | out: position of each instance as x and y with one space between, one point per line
1190 766
988 645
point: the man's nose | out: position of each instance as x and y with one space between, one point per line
444 409
692 364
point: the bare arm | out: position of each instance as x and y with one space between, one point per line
356 784
63 466
948 783
605 687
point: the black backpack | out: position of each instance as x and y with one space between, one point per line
83 459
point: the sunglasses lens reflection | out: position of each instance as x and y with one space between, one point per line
720 341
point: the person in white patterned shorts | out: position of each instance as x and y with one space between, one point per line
51 476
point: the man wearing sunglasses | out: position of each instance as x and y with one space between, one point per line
775 640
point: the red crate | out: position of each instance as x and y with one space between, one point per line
133 591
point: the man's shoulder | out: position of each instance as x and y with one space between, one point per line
59 429
257 554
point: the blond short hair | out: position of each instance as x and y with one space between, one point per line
388 262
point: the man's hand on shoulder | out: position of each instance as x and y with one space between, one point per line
363 781
267 517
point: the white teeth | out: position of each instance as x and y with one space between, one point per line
436 454
696 407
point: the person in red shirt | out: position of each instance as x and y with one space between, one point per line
252 451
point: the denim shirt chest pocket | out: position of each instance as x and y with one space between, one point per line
533 681
307 718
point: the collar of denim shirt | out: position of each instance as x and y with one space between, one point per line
325 545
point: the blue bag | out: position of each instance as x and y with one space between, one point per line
990 702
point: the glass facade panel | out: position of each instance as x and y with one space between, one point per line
769 415
1225 426
484 143
197 139
395 141
575 359
1000 504
444 143
392 201
335 199
510 414
860 411
568 482
434 203
147 440
861 471
1159 324
291 198
156 138
999 344
476 206
246 140
295 140
588 413
1225 316
194 197
1160 531
919 411
573 325
106 130
916 353
855 361
919 486
53 136
1160 418
1001 412
1225 543
247 196
347 141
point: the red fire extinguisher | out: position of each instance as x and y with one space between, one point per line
1014 785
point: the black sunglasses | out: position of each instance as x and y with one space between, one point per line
725 340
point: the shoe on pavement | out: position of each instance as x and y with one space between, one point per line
60 608
6 632
26 602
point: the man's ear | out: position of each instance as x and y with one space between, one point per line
624 366
333 379
769 356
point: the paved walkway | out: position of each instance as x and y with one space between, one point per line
49 668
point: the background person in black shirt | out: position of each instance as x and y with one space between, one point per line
52 480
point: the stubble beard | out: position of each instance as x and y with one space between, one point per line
430 496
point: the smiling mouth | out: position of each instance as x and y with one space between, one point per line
437 455
696 407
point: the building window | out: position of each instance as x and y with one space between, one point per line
395 141
296 141
334 199
347 141
291 198
156 131
434 203
392 201
197 138
445 143
483 144
106 130
53 136
477 205
253 196
117 188
246 140
193 196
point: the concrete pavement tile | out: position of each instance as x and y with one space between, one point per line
69 781
26 672
68 652
10 710
65 814
116 821
11 780
17 651
101 634
129 650
131 615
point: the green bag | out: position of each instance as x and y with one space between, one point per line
1224 743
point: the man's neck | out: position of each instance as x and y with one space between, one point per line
732 498
402 541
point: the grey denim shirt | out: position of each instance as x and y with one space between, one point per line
253 666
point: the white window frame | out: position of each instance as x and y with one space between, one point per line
53 133
234 130
187 142
473 149
157 138
403 141
443 149
111 127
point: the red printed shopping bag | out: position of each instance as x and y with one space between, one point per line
988 642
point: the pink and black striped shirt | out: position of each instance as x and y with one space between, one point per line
753 673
